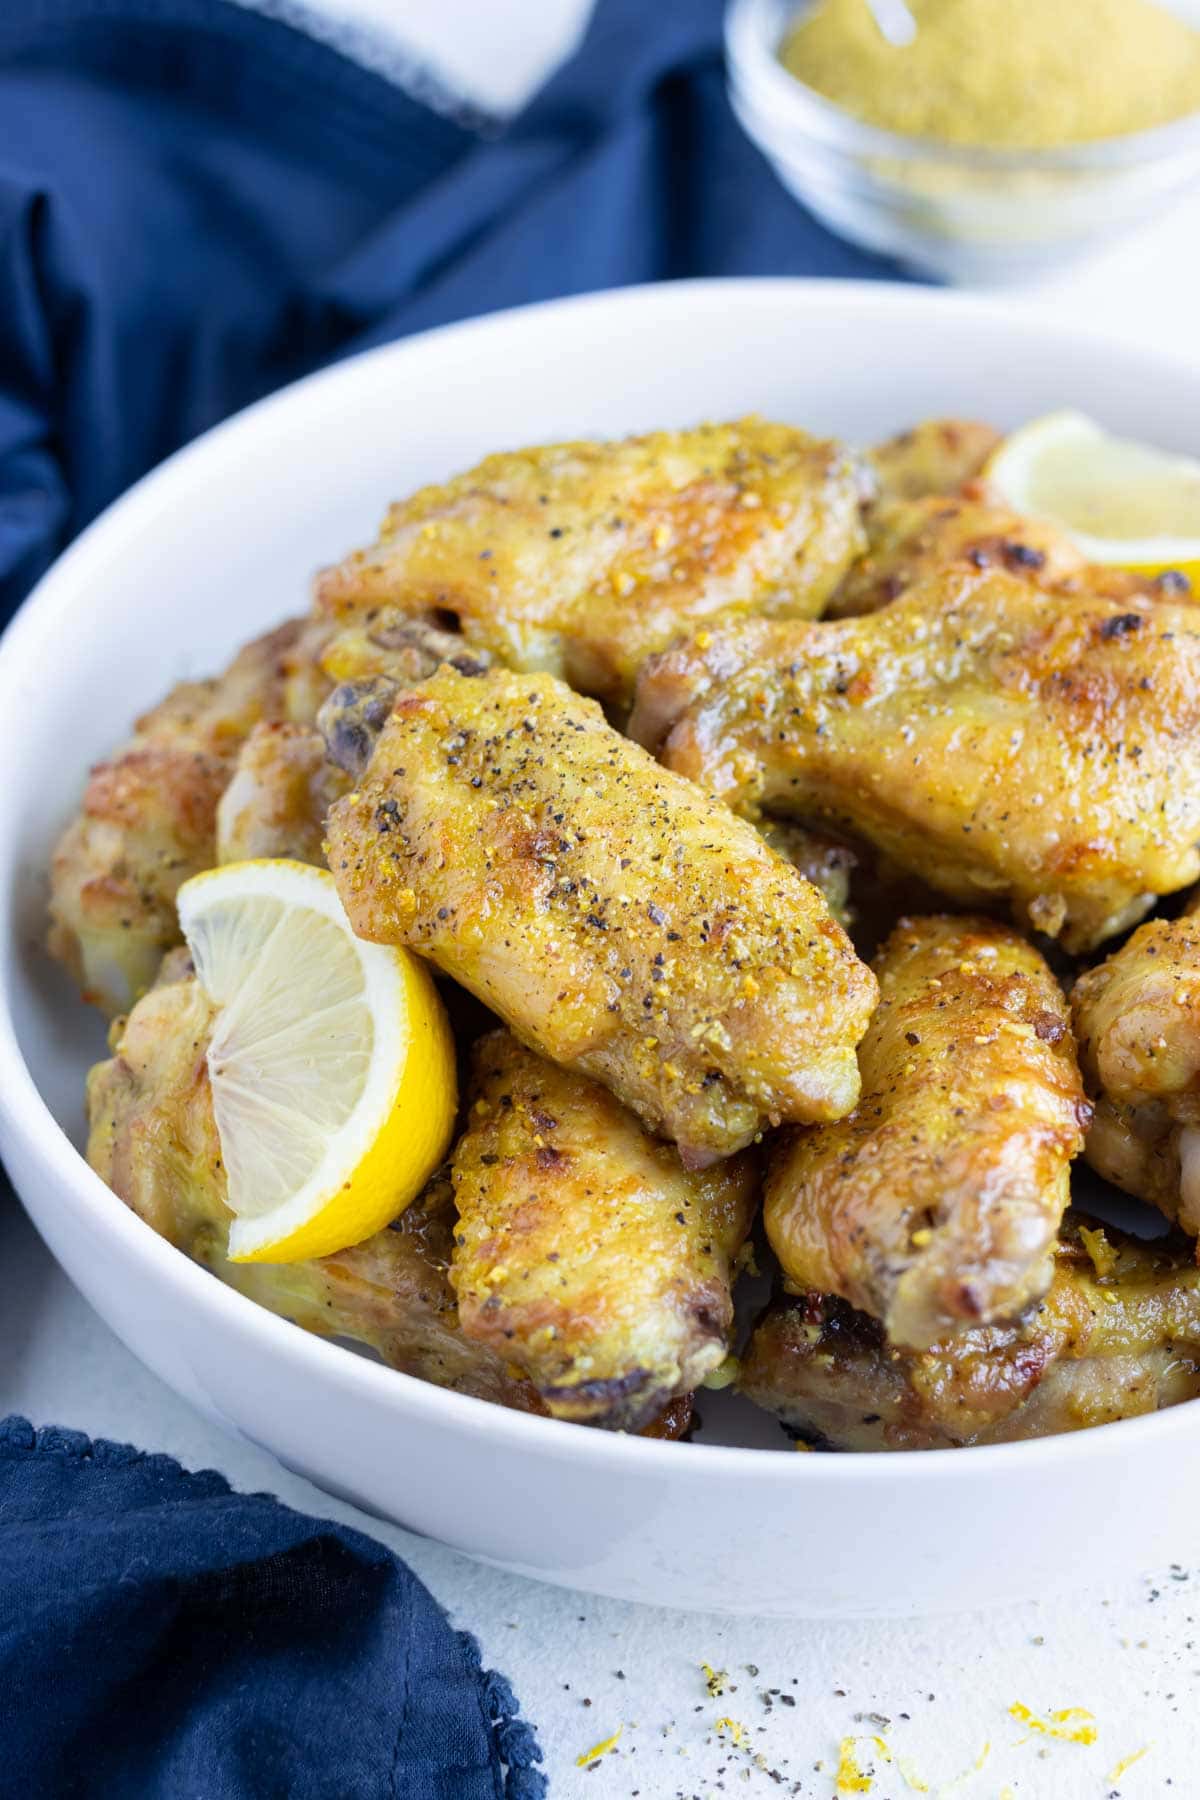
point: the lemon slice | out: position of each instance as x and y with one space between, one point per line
331 1061
1123 503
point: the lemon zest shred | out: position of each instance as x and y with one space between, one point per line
1070 1725
908 1770
736 1730
714 1680
1126 1762
599 1750
1104 1257
850 1778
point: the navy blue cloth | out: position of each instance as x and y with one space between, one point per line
198 203
162 1638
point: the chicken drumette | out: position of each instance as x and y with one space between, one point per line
934 1206
1003 743
1137 1018
585 1254
582 558
1117 1334
616 918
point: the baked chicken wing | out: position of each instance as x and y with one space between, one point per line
617 919
1137 1018
278 795
911 539
935 1206
935 457
582 558
585 1254
1003 743
1118 1334
148 819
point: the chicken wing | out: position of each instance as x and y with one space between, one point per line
278 795
935 457
1137 1018
934 1207
582 558
148 819
1118 1334
614 917
911 539
585 1254
1003 743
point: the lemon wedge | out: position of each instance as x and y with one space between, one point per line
1124 504
331 1061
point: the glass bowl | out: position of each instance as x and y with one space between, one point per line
961 214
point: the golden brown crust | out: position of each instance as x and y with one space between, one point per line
615 918
1002 743
1117 1334
585 1254
935 1206
582 558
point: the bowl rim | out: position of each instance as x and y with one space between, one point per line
26 1119
779 102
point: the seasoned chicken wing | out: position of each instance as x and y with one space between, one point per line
1137 1018
935 457
585 1254
278 795
582 558
1118 1334
148 819
617 919
935 1206
1002 743
911 539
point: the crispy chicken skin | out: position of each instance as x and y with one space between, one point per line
1137 1018
934 1207
935 457
148 819
617 919
1114 1337
1002 743
582 558
278 795
585 1254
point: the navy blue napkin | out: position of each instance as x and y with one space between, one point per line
198 203
162 1638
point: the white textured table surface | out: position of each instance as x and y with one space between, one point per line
936 1693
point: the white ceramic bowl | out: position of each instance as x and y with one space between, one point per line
218 544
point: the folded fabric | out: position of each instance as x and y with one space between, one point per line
198 203
162 1638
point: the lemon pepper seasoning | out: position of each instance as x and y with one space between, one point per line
1004 74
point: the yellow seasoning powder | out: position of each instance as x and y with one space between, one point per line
1006 74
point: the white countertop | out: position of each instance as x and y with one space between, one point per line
1128 1651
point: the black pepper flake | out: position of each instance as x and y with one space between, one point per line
1121 625
656 914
